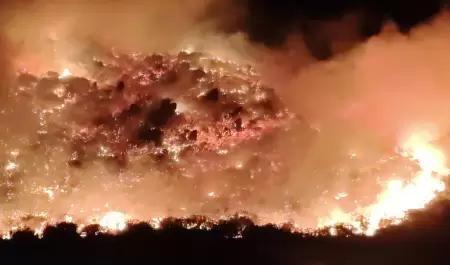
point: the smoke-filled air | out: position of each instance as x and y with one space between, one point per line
140 110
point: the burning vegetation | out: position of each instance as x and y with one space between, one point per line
157 106
201 124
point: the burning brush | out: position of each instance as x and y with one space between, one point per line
176 116
162 106
180 115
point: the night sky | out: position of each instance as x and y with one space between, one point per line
271 21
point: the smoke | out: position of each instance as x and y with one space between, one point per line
383 86
361 102
49 30
369 100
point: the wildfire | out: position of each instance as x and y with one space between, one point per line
392 204
397 198
400 196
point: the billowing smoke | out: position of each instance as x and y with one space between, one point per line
359 104
368 100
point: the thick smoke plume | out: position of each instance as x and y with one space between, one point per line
360 103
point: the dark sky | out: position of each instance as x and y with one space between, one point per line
271 21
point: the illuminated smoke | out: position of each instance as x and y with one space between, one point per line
360 104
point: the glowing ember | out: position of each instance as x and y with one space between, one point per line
392 204
124 113
66 73
10 166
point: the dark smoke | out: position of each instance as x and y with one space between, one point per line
320 23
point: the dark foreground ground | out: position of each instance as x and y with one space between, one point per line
422 240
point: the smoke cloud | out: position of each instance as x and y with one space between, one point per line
362 102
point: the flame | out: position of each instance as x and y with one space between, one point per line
114 221
65 73
400 196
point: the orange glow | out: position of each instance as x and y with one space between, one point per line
400 196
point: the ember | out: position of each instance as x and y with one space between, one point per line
141 110
183 121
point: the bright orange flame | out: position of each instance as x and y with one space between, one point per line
393 203
115 221
400 197
66 73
